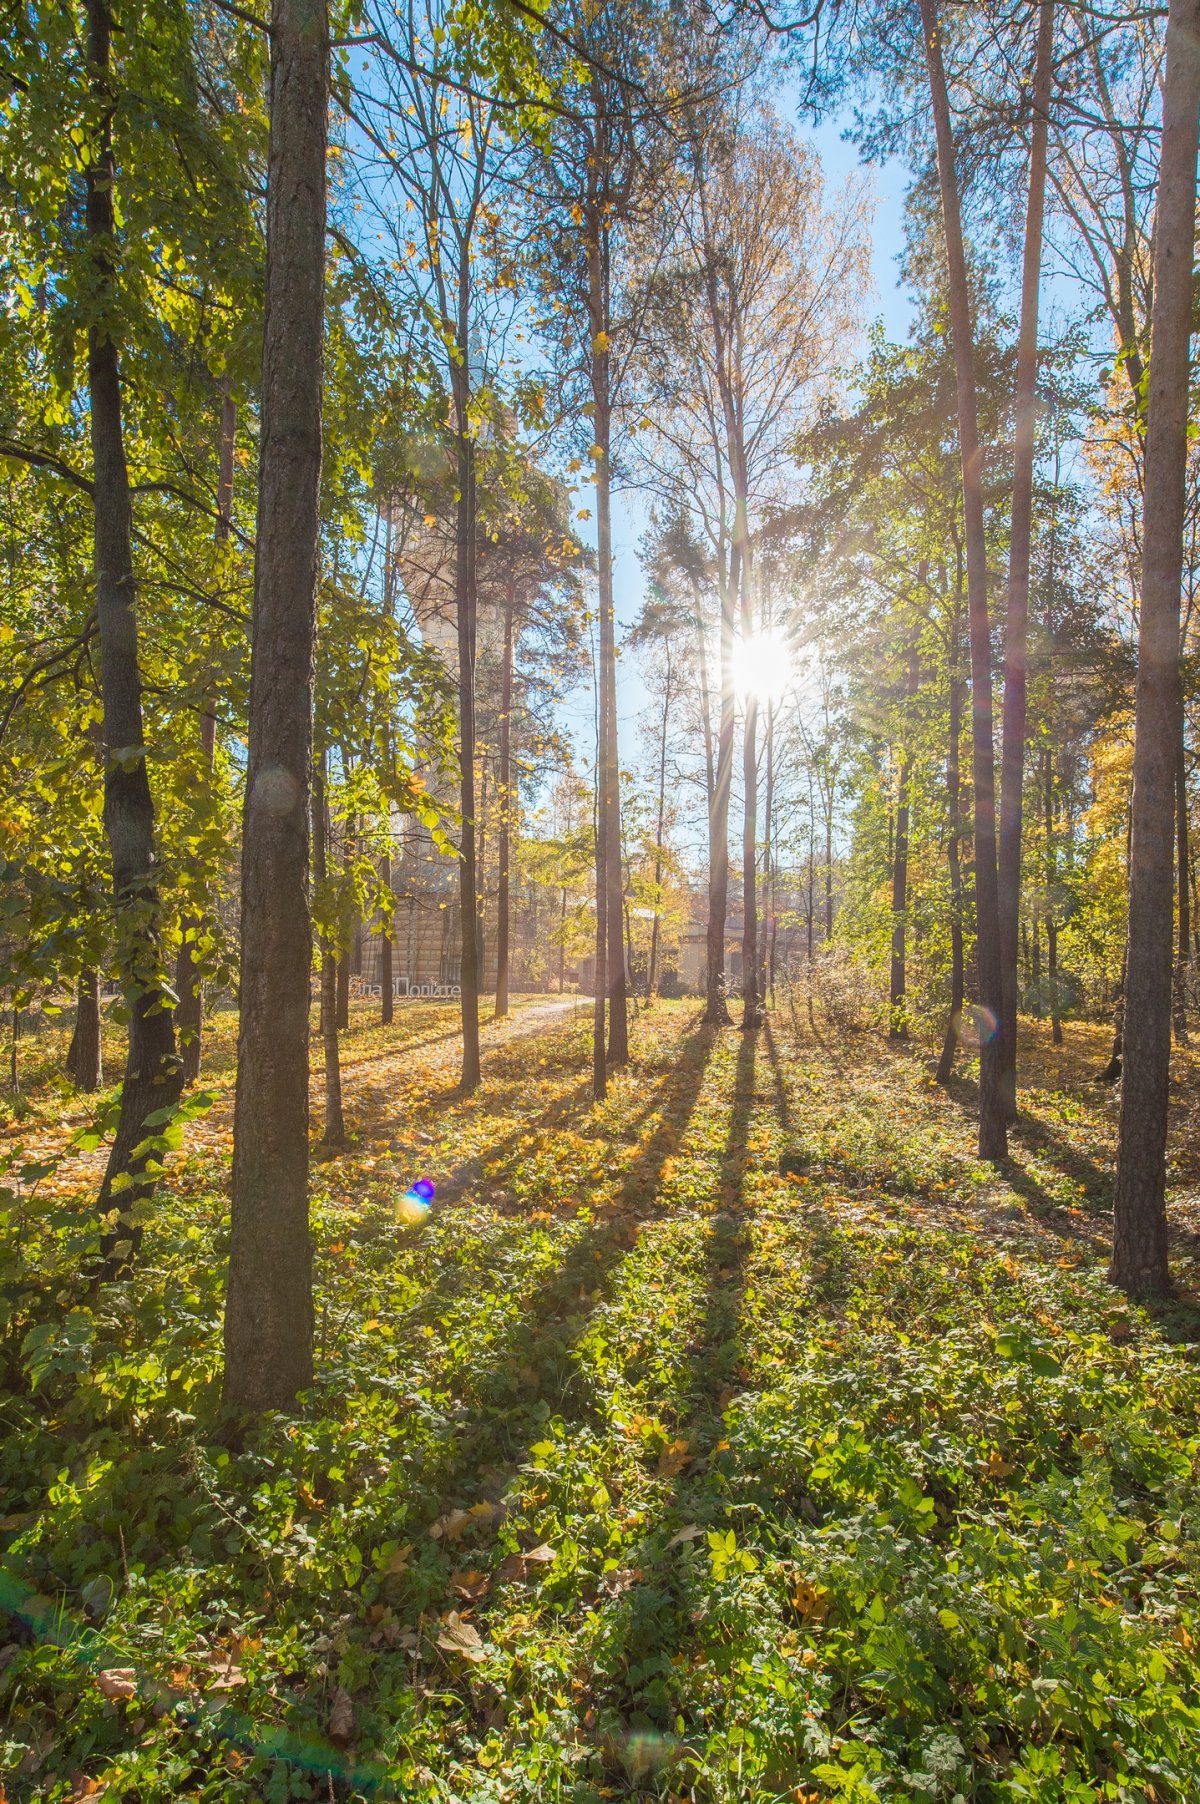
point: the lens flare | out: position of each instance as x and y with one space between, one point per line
978 1025
414 1206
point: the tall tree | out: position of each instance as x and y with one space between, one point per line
1016 627
268 1313
1139 1262
993 1131
153 1075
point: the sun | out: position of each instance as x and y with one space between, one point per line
762 666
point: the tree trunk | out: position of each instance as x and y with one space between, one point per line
898 1020
1139 1261
716 1013
189 1012
466 614
387 972
610 792
84 1063
153 1078
1183 888
766 956
387 937
505 830
829 869
268 1314
953 860
334 1132
1016 632
659 831
993 1133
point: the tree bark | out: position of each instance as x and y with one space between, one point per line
504 839
269 1309
153 1078
341 988
953 860
993 1132
189 1012
898 1021
766 958
1139 1261
716 1012
610 780
84 1062
334 1132
1016 632
660 829
1056 1031
1183 890
466 610
387 972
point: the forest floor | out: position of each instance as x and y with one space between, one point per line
635 1469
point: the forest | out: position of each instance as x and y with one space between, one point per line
599 901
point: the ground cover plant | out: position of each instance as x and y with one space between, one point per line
635 1467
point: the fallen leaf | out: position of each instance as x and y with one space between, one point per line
692 1532
458 1637
471 1585
341 1716
674 1458
117 1682
810 1601
517 1565
450 1526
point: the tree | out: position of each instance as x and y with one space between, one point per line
1016 624
592 178
761 293
993 1134
268 1313
1139 1262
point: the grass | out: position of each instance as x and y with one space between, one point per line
638 1470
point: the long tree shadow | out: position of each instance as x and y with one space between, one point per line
524 1373
650 1620
1096 1180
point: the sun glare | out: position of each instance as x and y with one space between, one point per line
762 666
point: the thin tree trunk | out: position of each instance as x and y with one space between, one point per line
189 1012
716 1012
387 971
269 1308
993 1135
1112 1070
466 612
1139 1261
659 832
153 1077
1056 1031
504 840
387 937
1183 890
829 869
898 1020
766 956
954 863
84 1064
334 1132
610 799
1016 634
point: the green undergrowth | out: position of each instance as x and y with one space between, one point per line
637 1471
